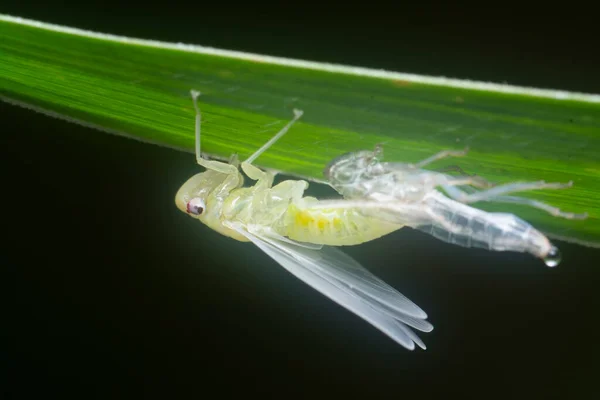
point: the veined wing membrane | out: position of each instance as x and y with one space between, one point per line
314 268
346 273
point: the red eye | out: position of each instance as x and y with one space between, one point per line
195 206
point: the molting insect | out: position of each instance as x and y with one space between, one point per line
297 235
406 194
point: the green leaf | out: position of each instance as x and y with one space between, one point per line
140 89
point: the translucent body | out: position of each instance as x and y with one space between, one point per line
406 194
288 227
282 208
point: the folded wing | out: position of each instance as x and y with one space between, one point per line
345 281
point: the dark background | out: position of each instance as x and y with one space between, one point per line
114 293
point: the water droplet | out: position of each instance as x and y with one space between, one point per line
553 258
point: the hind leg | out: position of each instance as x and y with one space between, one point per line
496 194
555 211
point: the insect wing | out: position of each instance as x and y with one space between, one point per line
338 265
347 274
320 269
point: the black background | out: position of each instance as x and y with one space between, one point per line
114 293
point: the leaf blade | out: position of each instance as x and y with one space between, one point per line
143 92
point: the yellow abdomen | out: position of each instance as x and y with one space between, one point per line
333 227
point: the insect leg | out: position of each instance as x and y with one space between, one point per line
555 211
490 194
291 189
477 181
208 164
297 115
456 168
264 178
440 155
495 196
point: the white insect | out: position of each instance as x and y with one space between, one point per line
406 194
288 228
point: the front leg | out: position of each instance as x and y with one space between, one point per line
264 178
232 181
440 155
218 166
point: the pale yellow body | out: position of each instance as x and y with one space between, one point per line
291 229
280 208
218 199
332 227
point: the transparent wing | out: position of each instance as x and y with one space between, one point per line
343 280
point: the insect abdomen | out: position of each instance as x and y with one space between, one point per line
465 226
334 227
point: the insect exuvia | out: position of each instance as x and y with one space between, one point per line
408 195
287 227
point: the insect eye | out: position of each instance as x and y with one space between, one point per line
345 175
195 206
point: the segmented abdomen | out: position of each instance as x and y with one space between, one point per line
333 227
466 226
